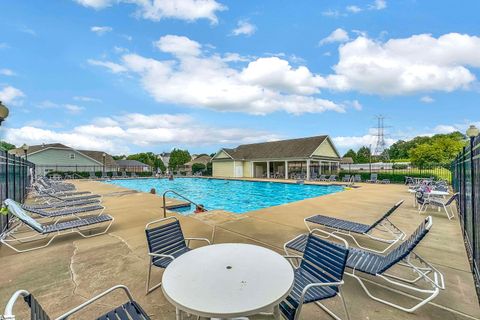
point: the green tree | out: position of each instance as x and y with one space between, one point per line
119 157
177 158
198 167
363 155
6 146
148 158
350 154
440 149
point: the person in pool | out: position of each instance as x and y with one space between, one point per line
200 208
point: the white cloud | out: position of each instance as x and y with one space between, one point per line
244 28
11 95
338 35
100 31
332 13
189 10
378 5
117 134
86 99
28 30
355 142
113 67
68 107
119 50
277 74
178 45
354 9
7 72
403 66
95 4
427 99
198 79
73 108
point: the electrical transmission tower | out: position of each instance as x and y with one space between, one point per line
380 144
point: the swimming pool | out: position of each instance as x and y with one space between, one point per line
230 195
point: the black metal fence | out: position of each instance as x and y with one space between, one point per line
396 172
81 171
466 181
15 176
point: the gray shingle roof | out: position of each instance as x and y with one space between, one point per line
131 163
35 148
292 148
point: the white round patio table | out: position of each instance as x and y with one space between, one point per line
227 281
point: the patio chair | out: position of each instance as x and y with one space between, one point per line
114 174
128 310
349 228
165 242
74 198
43 231
358 178
425 202
92 175
318 276
346 178
377 265
322 177
124 174
373 178
133 174
105 175
332 178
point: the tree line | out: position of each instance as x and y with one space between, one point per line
420 151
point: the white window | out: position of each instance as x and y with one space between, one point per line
72 156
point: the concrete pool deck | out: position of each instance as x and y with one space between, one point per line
72 269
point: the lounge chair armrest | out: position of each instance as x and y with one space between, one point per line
8 314
197 239
92 300
161 255
319 284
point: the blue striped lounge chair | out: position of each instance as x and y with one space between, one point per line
317 277
128 310
380 266
60 204
350 228
165 242
44 231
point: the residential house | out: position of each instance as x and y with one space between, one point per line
304 157
133 166
187 167
61 158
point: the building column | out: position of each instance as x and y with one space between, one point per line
308 169
286 169
268 169
330 167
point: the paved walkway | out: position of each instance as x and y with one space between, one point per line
73 269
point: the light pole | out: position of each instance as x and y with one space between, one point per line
3 112
25 151
104 156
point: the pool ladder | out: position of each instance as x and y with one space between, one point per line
178 194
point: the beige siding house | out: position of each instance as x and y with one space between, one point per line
305 158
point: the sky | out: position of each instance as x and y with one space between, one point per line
127 76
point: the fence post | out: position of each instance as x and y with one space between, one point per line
463 193
472 181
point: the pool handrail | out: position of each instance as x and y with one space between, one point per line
178 194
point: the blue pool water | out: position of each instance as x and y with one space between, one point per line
230 195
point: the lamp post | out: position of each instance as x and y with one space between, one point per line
25 151
104 155
472 132
3 112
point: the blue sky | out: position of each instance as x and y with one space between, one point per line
130 76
